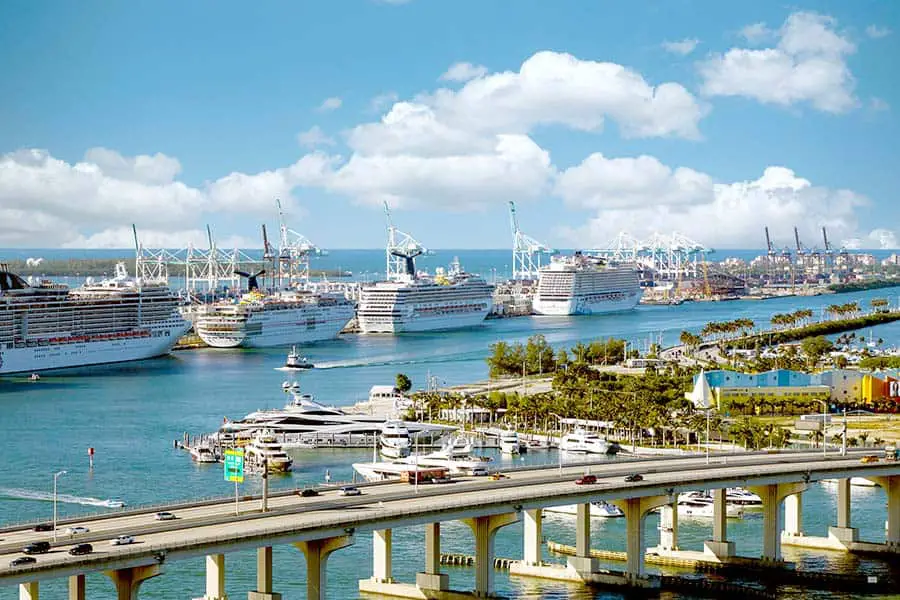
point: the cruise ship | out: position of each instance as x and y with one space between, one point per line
414 302
284 318
48 326
585 285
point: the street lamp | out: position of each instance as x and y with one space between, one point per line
559 449
824 419
55 477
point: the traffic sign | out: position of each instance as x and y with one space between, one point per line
234 466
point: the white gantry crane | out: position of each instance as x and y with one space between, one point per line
401 252
294 251
527 251
668 257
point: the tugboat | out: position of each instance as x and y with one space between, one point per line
295 361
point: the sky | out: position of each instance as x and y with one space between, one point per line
707 118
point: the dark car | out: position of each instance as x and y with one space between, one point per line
81 549
308 493
23 560
634 477
37 548
43 527
586 480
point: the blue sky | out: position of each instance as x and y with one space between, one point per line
709 118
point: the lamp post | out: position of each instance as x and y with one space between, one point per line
824 418
559 450
55 477
844 436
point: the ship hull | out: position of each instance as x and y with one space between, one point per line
585 305
416 324
280 328
39 359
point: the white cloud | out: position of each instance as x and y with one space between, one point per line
756 33
618 183
734 215
464 71
808 64
122 237
158 168
682 47
382 102
884 239
314 137
875 32
329 104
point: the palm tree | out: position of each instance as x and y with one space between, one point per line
864 437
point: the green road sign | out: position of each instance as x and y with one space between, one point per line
234 466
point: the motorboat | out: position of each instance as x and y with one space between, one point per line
455 455
265 452
394 440
742 497
202 452
295 361
580 441
538 444
698 504
509 441
599 510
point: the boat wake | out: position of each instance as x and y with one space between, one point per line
65 498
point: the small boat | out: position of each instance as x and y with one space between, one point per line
114 503
581 442
266 450
698 504
295 361
509 441
599 510
202 452
394 440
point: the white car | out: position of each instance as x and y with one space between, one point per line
349 491
164 516
76 530
123 540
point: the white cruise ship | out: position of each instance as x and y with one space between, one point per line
281 319
48 326
585 285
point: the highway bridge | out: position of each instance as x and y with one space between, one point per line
325 523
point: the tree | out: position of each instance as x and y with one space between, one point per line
816 347
403 383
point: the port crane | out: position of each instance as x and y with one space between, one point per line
401 252
294 251
527 251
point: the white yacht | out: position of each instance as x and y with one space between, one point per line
456 455
509 441
580 441
394 440
295 361
585 285
742 497
698 504
202 452
266 452
600 510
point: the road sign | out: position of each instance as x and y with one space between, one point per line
234 466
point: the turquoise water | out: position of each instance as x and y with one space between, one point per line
131 414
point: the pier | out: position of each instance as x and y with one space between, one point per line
318 526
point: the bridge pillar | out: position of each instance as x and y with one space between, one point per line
29 591
843 533
793 515
128 581
719 546
891 487
484 529
215 577
316 553
263 576
668 527
772 495
533 520
432 578
76 587
381 553
582 563
635 510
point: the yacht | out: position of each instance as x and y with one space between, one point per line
742 497
580 441
455 455
509 441
698 504
295 361
266 452
585 285
600 509
394 440
202 452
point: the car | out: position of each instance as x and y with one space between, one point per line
586 480
81 549
22 560
43 527
498 476
441 480
870 458
77 530
349 491
164 516
122 540
634 477
37 548
307 493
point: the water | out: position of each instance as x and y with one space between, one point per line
131 414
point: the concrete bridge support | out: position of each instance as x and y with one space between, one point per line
844 532
215 577
772 495
533 521
793 515
635 510
382 543
891 487
485 529
582 563
128 581
432 578
668 527
29 591
317 552
719 546
263 589
76 587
